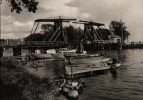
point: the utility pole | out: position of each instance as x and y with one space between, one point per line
122 35
122 40
0 19
1 49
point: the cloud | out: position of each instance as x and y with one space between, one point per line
59 8
13 22
13 29
99 10
13 35
130 11
9 23
6 23
85 15
23 24
7 19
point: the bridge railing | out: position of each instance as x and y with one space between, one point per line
46 43
11 43
102 41
43 43
33 43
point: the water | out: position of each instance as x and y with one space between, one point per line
128 85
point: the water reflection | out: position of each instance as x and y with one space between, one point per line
117 85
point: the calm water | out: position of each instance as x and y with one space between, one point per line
127 86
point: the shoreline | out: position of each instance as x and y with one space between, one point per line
19 83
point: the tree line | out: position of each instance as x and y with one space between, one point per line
75 34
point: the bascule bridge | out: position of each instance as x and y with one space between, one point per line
96 39
56 39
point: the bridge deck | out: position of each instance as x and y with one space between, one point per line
45 43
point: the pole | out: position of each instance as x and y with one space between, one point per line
1 48
71 73
0 17
121 34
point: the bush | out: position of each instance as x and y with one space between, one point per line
18 84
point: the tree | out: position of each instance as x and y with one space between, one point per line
103 33
16 5
119 28
34 37
70 31
75 33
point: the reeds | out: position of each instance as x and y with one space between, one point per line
18 84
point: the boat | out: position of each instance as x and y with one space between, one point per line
79 52
49 55
86 69
65 51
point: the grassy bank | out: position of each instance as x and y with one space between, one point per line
18 84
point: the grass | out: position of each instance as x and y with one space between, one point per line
18 84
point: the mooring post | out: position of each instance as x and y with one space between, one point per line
91 72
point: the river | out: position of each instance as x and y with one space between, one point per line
128 85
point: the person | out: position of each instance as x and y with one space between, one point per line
114 62
63 81
69 61
113 68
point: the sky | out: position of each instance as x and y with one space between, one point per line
130 11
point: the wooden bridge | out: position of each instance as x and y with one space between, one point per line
24 44
50 44
91 39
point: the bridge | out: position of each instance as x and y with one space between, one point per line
91 39
37 44
50 44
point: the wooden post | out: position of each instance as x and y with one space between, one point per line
71 73
91 72
1 51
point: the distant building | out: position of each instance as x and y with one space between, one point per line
114 38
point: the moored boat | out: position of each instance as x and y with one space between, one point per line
86 69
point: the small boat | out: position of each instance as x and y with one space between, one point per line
87 68
67 52
77 53
38 56
48 56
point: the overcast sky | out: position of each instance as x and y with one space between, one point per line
98 10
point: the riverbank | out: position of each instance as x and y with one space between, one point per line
133 46
19 84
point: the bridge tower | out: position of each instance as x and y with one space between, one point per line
90 36
58 33
57 38
90 33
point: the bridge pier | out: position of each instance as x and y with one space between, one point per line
31 50
1 51
16 51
